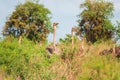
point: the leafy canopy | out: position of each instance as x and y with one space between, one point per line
31 20
94 20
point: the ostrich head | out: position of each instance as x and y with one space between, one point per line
55 24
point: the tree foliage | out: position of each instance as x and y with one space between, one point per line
117 31
94 20
31 20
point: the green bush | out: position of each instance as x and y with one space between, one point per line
27 60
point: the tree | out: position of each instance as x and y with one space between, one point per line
117 31
31 20
94 20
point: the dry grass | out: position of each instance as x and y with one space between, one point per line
82 62
90 65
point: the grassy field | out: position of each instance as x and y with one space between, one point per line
29 61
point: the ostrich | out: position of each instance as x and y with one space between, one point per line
53 49
73 30
115 51
81 52
54 35
72 33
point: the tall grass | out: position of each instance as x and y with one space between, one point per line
29 61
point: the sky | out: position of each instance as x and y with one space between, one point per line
63 11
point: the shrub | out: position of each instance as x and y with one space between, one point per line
26 60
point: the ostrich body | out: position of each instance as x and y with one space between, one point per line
114 51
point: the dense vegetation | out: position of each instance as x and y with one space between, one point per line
30 62
26 60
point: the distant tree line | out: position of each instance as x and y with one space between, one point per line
32 20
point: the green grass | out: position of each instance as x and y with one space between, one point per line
29 61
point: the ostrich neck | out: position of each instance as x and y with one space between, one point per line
72 38
54 37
